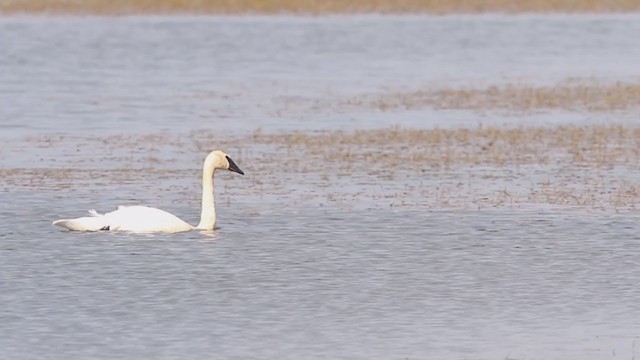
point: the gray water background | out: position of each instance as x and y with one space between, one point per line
299 280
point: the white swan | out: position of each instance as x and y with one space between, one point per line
144 219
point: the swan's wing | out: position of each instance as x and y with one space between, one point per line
89 223
145 219
93 212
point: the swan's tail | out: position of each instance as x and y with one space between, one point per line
95 222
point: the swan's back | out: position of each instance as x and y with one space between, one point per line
145 219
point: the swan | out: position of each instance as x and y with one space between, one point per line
144 219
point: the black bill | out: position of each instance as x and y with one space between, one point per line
233 167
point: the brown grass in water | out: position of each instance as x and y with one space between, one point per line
312 6
586 166
591 146
590 167
593 167
519 98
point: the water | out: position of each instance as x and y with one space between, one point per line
101 74
289 275
310 284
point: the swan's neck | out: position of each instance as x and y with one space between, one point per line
208 214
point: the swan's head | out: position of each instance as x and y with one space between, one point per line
220 160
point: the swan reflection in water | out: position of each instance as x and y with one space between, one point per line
145 219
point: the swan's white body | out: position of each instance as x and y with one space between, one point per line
144 219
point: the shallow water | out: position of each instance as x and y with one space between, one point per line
312 283
87 75
98 112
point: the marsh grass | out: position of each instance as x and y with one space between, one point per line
600 145
589 167
312 6
567 95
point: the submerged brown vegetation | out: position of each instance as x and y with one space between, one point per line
313 7
570 95
593 146
589 167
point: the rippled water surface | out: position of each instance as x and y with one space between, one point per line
292 273
100 74
310 283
